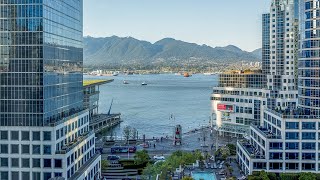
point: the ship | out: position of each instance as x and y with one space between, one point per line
144 84
186 74
125 82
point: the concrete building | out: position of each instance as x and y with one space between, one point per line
288 141
44 128
274 87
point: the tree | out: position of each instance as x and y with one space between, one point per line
307 176
126 132
187 178
264 175
104 164
141 157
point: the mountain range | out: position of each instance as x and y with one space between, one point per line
121 51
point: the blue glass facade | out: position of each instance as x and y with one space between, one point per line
41 59
309 57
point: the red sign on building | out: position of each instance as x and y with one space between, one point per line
224 107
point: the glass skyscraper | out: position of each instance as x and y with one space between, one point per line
41 61
309 61
44 128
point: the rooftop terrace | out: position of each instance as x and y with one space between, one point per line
95 82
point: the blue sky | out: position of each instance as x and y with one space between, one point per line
211 22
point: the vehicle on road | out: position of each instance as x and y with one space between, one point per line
123 149
159 157
113 157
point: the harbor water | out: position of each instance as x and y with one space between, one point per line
148 108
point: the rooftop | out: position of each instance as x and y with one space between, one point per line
244 72
95 82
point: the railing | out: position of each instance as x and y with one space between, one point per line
55 123
292 116
253 155
65 149
267 134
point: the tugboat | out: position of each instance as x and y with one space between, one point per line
186 74
125 82
144 84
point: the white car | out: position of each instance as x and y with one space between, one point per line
159 158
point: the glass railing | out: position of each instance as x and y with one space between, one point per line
65 149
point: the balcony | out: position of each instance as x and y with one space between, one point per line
292 114
65 149
266 133
85 167
250 150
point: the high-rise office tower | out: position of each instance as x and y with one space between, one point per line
281 74
236 105
44 129
289 140
309 61
266 43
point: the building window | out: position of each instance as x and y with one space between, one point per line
58 163
57 174
15 135
309 146
25 149
46 135
292 125
4 148
308 166
275 155
4 175
292 145
4 135
36 135
308 135
36 149
15 175
47 163
275 166
14 148
292 135
292 166
46 176
309 156
25 136
308 125
292 155
25 163
36 176
36 163
275 145
47 149
15 162
4 162
26 175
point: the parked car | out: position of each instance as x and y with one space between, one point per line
113 157
159 157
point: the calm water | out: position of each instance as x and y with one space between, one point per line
148 108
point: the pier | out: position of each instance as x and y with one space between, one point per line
98 121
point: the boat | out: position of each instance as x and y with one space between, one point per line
125 82
186 74
115 74
144 84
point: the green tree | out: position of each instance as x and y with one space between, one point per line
264 175
187 178
141 157
272 176
104 164
307 176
